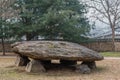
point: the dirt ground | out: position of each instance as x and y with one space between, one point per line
107 70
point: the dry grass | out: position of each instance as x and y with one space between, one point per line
107 70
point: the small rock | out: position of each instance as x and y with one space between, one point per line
84 69
91 64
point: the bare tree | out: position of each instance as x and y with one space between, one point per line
6 12
107 12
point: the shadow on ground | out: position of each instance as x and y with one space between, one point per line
55 70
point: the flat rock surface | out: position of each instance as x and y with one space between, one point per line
47 50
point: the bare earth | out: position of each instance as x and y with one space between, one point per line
107 70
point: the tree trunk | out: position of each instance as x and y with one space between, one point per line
29 36
113 39
3 46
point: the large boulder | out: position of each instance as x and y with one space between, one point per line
48 50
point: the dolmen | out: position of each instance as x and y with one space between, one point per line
35 55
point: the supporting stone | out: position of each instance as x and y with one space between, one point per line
35 66
82 68
68 62
91 64
21 60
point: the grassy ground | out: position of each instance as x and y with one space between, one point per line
107 70
111 54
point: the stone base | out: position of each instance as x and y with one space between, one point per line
91 65
35 66
68 62
21 60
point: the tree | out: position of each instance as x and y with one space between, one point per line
5 13
2 36
28 14
108 12
65 20
52 19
